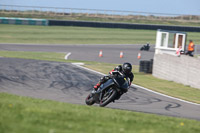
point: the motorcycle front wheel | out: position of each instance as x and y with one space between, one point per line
108 97
89 99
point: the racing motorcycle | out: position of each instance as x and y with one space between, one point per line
145 47
109 91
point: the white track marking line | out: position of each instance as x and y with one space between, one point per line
134 85
78 63
67 55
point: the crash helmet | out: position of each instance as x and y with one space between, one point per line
126 68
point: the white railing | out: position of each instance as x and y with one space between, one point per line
96 13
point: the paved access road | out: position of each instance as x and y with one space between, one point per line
111 53
68 83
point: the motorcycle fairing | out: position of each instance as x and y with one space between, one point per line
121 82
105 85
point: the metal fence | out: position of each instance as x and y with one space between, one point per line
113 14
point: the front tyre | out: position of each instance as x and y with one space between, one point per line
89 99
108 97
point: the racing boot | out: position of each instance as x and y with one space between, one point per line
96 87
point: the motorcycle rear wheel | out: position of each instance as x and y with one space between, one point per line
108 98
89 99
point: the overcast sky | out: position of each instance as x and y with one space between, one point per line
157 6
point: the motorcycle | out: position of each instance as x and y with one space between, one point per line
109 91
145 47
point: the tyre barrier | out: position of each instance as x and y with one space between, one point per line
23 21
146 66
122 25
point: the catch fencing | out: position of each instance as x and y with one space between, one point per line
94 13
93 18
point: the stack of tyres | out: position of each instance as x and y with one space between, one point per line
151 66
146 66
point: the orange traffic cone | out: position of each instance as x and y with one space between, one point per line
100 53
121 54
139 55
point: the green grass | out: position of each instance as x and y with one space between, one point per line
27 115
78 35
145 80
49 56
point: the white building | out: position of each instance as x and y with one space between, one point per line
170 41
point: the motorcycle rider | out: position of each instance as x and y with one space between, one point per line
125 69
190 48
145 47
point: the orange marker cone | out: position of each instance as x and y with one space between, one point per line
100 53
139 55
121 54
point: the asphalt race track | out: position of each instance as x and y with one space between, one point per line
69 83
111 53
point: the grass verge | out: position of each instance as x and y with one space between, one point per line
23 114
78 35
145 80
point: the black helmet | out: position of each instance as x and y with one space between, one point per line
127 68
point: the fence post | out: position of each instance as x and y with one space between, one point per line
63 12
96 13
70 12
3 9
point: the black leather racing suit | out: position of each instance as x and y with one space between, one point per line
113 72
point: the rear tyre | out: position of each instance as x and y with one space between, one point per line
89 99
108 97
